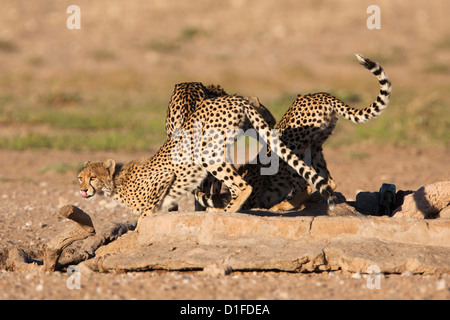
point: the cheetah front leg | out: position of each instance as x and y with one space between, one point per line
239 189
161 186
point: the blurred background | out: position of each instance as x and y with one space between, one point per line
107 85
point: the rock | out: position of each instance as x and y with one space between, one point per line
18 259
214 242
213 227
330 228
80 231
426 202
389 257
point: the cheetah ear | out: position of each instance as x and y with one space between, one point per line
86 163
110 165
254 101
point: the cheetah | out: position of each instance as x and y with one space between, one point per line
304 128
185 98
199 147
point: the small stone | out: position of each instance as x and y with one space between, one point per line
217 270
407 273
40 287
441 285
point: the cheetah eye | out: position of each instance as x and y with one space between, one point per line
93 178
80 178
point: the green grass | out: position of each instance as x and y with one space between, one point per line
103 55
7 46
443 43
171 45
79 123
280 105
162 45
62 167
357 155
75 121
133 140
436 67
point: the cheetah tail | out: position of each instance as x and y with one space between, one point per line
271 137
381 102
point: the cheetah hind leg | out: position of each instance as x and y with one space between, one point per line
239 189
239 198
294 202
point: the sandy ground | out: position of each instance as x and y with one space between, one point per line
142 48
237 286
31 195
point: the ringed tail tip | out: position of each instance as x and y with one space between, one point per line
332 200
365 62
360 57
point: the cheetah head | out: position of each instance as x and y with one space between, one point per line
97 176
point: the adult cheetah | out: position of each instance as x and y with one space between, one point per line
186 97
306 125
181 164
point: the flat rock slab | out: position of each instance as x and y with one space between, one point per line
252 242
210 228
